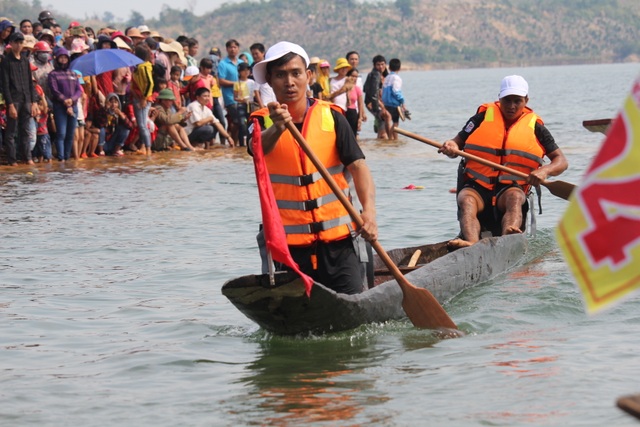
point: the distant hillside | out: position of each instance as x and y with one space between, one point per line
425 33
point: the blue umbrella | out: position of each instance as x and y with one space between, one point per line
103 60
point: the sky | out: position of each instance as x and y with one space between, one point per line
122 8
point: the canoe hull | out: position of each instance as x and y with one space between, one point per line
284 309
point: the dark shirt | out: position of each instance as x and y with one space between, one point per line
64 85
17 83
348 149
316 88
542 133
371 89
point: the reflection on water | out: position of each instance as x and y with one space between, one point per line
302 381
110 276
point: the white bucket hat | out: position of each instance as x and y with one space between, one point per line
277 51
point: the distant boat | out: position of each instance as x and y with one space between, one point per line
600 125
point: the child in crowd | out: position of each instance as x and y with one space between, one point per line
96 120
3 119
78 141
141 90
245 93
160 84
42 151
244 58
175 85
116 131
192 83
216 97
315 88
392 97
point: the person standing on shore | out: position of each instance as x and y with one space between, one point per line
392 97
227 76
355 104
339 84
65 93
372 91
266 93
141 91
20 98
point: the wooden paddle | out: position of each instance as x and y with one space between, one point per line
421 307
558 188
630 404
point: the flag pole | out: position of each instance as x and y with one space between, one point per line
272 279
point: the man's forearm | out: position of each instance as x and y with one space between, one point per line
363 182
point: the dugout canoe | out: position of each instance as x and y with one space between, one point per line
600 125
284 309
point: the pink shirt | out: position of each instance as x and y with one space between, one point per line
354 94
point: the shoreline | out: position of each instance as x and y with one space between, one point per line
104 162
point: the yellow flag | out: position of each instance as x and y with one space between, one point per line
599 234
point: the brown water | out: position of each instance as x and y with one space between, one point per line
111 311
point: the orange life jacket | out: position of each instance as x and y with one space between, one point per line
517 147
308 207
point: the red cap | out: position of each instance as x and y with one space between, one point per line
116 34
74 24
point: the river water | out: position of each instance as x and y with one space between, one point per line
111 311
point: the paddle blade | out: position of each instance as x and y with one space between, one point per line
422 308
560 189
630 404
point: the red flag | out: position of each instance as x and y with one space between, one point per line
599 233
271 221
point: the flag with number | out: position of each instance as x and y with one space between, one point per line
599 233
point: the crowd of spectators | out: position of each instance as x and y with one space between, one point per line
174 98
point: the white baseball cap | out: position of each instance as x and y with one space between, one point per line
277 51
191 71
513 85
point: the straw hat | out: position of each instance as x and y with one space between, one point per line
341 63
135 33
156 35
29 42
121 44
174 47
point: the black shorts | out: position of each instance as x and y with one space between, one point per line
232 113
393 111
491 217
338 265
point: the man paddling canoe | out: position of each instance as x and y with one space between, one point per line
511 134
319 229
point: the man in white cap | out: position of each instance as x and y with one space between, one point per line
511 134
320 233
